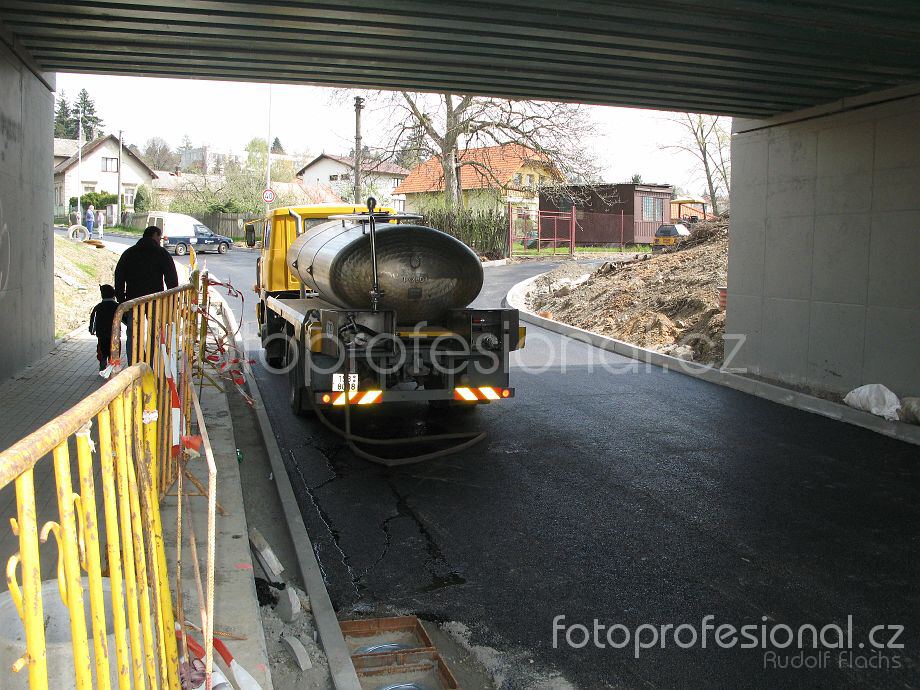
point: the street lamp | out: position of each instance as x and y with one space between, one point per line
79 166
359 106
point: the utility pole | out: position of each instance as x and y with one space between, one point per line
79 166
268 160
359 106
118 196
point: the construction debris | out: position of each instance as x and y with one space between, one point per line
266 557
668 303
910 410
265 592
288 607
285 668
301 657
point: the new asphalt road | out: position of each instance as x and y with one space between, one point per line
642 499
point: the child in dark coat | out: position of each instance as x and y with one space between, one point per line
100 323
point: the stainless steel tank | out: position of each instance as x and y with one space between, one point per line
422 272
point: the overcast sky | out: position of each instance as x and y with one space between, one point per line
226 115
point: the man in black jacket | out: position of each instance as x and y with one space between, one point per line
142 270
145 268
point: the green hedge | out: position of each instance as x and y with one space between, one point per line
485 231
98 200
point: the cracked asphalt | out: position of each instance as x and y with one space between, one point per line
615 491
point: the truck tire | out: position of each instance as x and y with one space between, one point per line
78 232
298 393
272 340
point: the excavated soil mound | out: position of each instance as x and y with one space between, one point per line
668 303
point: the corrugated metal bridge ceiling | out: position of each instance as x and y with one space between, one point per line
737 57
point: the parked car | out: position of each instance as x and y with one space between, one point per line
181 232
669 235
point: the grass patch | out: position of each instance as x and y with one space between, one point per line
124 230
88 267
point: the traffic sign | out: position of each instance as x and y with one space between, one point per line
268 196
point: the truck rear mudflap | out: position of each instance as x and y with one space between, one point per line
479 394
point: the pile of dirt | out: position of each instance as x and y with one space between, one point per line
79 270
668 302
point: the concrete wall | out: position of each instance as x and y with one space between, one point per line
824 260
26 246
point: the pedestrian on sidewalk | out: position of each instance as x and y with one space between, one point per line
90 219
144 268
100 323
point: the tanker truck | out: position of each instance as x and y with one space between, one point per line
363 306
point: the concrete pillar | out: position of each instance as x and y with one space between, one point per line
824 257
26 245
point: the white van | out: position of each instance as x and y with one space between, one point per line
180 232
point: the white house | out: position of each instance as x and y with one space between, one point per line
338 173
98 171
169 185
64 149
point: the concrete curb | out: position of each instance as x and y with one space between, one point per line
341 668
79 330
496 262
802 401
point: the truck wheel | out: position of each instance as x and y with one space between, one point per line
297 392
273 341
274 361
181 249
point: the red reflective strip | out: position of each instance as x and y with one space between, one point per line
370 397
488 393
367 397
467 394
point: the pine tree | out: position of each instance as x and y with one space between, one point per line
276 146
92 123
65 127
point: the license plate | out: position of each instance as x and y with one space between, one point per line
338 382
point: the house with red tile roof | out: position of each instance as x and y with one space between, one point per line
490 178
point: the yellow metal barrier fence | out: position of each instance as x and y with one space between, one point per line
165 320
128 432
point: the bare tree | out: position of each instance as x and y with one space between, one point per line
708 139
723 154
420 126
158 155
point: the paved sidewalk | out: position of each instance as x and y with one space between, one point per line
48 387
36 395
